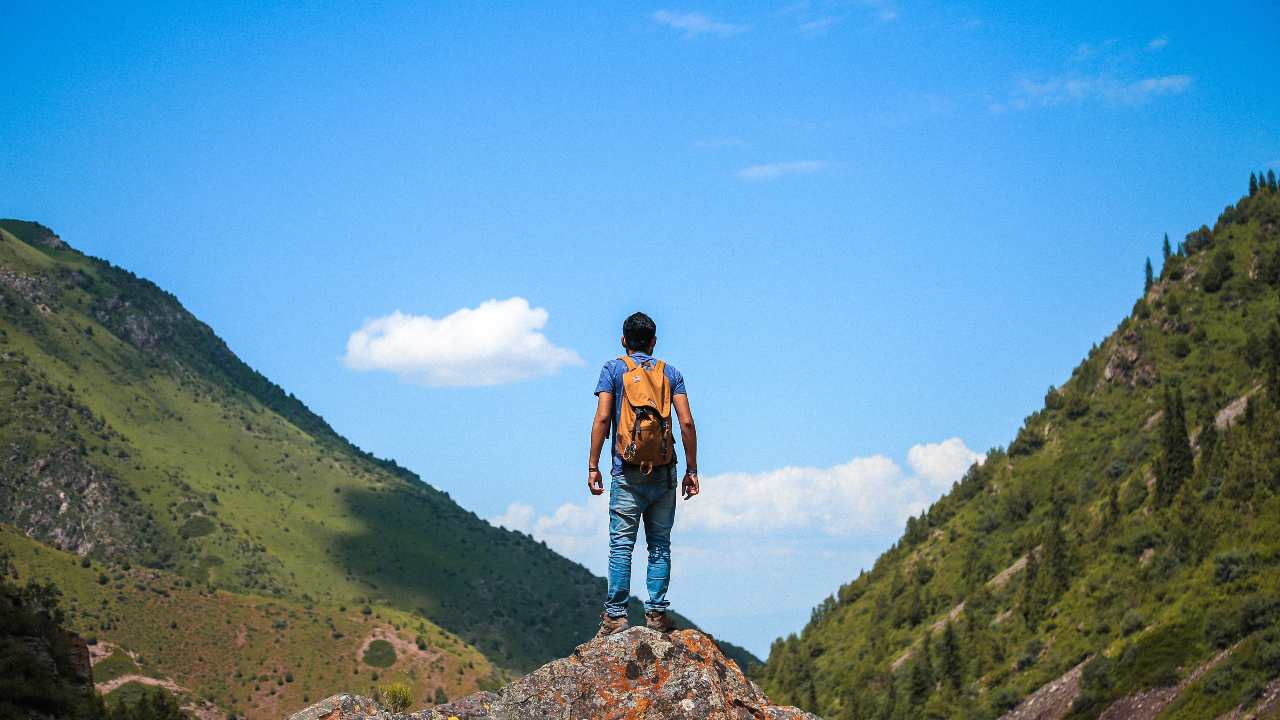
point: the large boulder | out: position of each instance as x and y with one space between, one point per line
638 674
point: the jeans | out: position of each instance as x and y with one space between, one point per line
633 497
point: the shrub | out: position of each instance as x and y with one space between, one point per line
398 697
380 653
1218 273
1132 622
1230 566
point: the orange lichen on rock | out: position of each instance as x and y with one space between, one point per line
639 674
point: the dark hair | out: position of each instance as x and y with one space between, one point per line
638 331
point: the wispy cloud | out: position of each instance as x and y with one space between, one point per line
693 24
496 343
1157 43
719 143
1076 90
881 10
771 171
818 26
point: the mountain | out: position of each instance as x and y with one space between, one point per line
1121 557
135 439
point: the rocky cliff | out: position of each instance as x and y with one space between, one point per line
637 674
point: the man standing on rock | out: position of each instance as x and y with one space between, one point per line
635 396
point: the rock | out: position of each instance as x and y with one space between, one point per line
639 674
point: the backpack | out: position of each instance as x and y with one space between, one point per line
644 435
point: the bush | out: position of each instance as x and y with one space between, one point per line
380 653
1230 566
1218 273
398 697
1132 622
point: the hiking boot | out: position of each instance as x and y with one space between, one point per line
660 621
610 625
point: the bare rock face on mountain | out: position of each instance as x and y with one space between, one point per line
639 674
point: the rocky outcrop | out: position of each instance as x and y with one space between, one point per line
63 500
639 674
1127 365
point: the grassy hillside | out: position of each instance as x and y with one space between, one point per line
243 654
1132 527
133 435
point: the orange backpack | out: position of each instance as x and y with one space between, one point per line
644 419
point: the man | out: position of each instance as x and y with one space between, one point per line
635 395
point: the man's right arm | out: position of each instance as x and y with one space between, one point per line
599 431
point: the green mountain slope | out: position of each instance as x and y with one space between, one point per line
1133 525
131 433
233 653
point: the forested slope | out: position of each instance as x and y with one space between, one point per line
1131 529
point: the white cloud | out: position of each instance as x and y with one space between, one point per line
694 24
865 496
495 343
770 171
1157 43
776 541
941 464
1075 90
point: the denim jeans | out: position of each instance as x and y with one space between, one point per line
634 497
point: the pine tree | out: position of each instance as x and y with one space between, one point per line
1271 180
922 680
950 663
1055 571
1253 185
1029 595
1176 462
1273 365
1187 527
1113 505
1208 439
1150 279
1166 249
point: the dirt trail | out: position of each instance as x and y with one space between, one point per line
105 687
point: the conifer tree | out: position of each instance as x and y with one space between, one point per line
1028 594
1176 462
922 680
1150 279
1253 185
1166 249
950 664
1113 504
1273 365
1055 570
1271 180
1208 438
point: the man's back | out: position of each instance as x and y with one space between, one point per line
640 492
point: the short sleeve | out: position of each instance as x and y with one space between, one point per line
677 381
605 383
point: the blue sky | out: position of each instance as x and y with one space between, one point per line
884 228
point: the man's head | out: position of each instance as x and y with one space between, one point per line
639 333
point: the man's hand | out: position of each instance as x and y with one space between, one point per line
690 485
595 483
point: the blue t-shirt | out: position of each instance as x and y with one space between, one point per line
611 382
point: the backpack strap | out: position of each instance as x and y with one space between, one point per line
626 360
